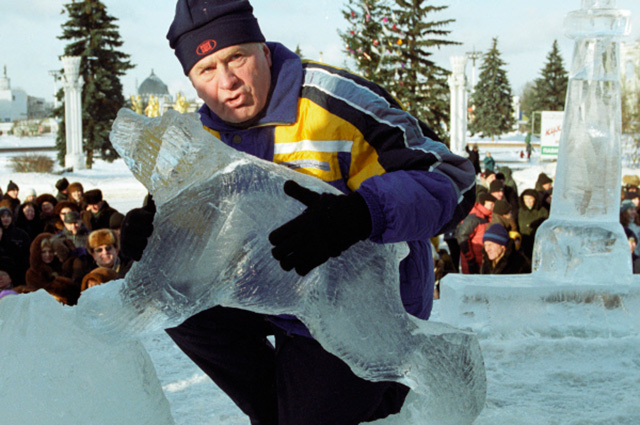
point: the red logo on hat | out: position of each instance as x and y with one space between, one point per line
206 47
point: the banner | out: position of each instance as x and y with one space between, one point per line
550 131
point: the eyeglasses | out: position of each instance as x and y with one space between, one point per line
99 250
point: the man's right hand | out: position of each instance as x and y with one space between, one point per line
136 228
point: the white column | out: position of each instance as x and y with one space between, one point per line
72 83
458 88
583 237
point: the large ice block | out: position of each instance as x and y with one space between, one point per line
209 247
55 372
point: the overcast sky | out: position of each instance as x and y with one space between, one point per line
525 30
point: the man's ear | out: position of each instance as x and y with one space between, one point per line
267 53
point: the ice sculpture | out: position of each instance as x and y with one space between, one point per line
583 236
216 207
54 372
581 254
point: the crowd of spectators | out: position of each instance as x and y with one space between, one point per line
63 243
498 235
68 242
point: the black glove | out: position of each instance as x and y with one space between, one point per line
136 228
329 225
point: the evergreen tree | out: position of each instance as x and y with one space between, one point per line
421 86
551 88
527 99
492 100
364 39
93 35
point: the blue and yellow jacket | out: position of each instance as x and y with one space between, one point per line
352 134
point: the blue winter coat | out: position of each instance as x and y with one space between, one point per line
352 134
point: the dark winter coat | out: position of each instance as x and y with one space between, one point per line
100 220
529 220
469 235
15 245
378 149
32 227
512 262
474 157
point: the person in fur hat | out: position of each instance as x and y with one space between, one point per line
45 272
75 193
98 276
100 210
103 247
499 253
76 262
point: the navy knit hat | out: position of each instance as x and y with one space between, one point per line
202 27
12 186
496 233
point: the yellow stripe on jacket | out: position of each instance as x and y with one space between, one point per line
311 146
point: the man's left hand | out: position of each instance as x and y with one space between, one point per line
329 225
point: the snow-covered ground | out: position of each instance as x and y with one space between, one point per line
520 390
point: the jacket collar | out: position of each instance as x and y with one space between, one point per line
282 106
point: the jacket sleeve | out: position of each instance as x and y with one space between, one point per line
414 186
465 230
422 189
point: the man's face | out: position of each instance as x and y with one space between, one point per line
498 195
489 205
63 212
105 255
234 82
13 193
493 250
490 178
72 227
547 186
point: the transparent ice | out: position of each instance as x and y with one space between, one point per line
55 372
209 247
583 235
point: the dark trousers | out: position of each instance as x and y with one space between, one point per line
295 383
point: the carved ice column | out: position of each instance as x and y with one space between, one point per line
583 236
458 88
72 83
